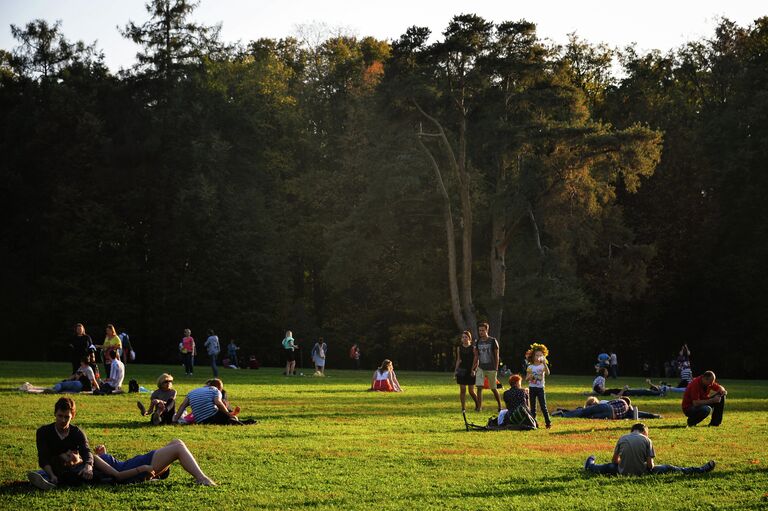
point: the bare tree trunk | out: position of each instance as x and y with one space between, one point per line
450 235
498 272
466 236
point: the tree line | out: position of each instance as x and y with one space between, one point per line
389 193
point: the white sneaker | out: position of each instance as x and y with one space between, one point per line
38 481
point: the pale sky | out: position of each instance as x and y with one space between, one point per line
652 24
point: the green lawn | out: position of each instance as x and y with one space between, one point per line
328 444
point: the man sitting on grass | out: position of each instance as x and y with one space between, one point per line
58 438
702 397
207 405
634 455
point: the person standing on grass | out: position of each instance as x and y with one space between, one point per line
465 376
290 353
535 374
125 341
111 342
485 365
354 354
188 351
319 351
58 438
704 396
213 348
79 346
613 360
633 455
232 352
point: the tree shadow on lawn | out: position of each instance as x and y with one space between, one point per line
17 488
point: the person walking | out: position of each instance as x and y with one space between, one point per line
213 348
232 352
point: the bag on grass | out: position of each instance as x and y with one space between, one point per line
133 386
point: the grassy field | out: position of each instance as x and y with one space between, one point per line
328 444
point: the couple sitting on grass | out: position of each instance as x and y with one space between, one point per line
65 458
208 404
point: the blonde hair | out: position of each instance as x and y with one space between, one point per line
111 327
384 364
591 400
164 377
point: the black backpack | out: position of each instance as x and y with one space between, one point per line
133 386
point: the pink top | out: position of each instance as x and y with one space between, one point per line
189 344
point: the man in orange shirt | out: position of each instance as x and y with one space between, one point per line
702 397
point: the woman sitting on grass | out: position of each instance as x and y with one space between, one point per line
384 378
162 404
154 464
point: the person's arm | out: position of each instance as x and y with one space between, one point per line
217 401
458 359
546 369
194 348
44 455
496 363
616 454
182 407
476 360
86 455
373 379
105 468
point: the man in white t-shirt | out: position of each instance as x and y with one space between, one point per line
116 375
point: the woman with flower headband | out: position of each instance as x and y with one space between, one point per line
535 374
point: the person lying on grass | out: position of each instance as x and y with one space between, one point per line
633 455
594 409
58 438
162 402
384 378
154 464
81 380
207 405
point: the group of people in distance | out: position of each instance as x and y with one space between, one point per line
319 353
476 364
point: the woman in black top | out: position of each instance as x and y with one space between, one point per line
465 378
516 395
78 346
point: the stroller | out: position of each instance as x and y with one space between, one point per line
519 419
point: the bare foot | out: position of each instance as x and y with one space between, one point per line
206 482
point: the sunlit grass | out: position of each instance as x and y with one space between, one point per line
329 444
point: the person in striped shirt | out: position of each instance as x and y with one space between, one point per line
686 374
207 405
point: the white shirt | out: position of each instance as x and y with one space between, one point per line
614 359
116 374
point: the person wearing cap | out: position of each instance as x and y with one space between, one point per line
162 404
704 396
634 454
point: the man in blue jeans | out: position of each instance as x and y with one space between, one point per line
634 455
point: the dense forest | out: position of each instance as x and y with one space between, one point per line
390 193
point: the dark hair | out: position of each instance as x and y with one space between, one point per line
210 331
640 427
112 354
486 325
65 404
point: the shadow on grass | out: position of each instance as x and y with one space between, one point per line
17 488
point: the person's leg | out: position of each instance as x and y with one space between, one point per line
697 414
647 415
496 395
597 412
573 414
177 450
479 383
641 392
717 412
68 386
463 396
533 393
665 469
544 410
213 366
471 390
603 469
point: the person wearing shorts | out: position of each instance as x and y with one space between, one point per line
485 365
